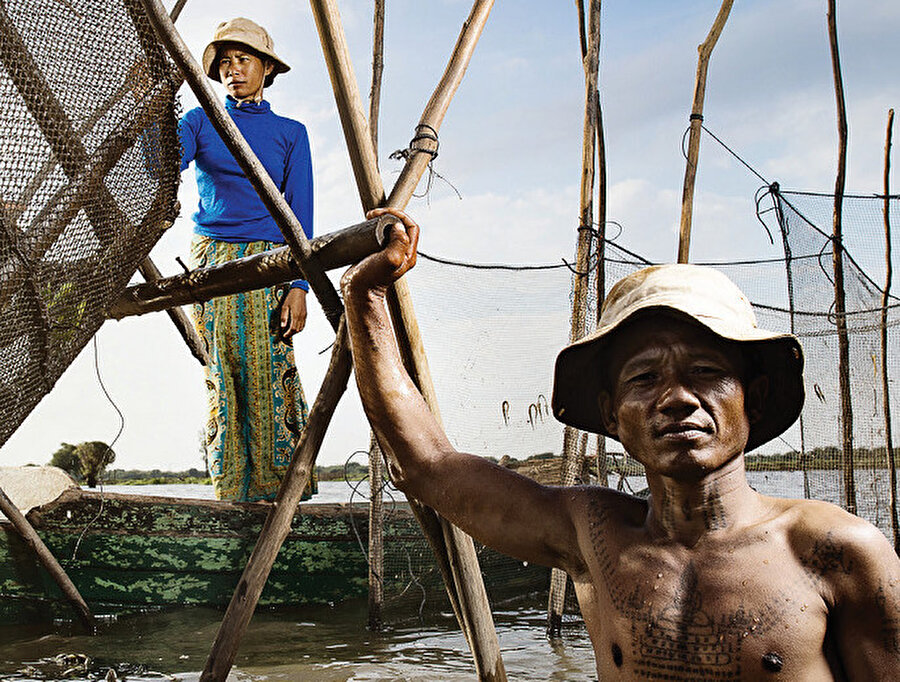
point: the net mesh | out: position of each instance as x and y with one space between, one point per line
90 170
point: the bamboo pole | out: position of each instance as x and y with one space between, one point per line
183 325
690 170
376 535
837 239
453 549
885 299
377 70
376 463
334 250
48 561
792 307
278 522
590 64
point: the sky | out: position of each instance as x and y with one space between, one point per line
510 150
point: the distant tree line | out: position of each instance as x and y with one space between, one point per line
85 462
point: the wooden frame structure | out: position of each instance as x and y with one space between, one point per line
455 550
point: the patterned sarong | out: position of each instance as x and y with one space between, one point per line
256 404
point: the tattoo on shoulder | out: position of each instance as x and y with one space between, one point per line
827 556
888 603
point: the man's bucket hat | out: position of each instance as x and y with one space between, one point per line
245 32
704 296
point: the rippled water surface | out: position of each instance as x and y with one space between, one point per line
315 643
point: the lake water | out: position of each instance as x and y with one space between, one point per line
315 643
332 643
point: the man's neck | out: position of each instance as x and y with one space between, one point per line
686 511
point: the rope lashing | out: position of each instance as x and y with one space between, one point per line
423 132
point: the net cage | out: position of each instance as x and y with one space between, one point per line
90 170
492 333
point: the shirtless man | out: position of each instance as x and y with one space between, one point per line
705 580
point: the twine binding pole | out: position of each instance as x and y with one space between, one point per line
696 119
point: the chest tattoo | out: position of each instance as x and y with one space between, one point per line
826 557
674 634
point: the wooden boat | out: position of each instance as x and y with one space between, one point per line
131 552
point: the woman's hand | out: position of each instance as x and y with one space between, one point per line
293 313
378 271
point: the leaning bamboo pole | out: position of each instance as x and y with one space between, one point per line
377 70
690 170
837 259
333 250
48 561
885 299
453 549
183 325
376 463
572 463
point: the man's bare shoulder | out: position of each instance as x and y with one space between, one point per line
838 550
600 504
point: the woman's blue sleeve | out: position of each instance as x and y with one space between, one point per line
188 129
298 185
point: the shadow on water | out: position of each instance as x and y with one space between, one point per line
314 643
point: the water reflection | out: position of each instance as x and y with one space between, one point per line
313 643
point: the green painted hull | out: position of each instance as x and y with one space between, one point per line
130 552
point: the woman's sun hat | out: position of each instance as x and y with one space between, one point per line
706 297
245 32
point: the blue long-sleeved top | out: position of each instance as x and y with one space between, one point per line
230 209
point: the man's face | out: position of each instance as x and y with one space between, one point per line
678 398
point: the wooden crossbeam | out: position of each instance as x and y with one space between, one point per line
333 250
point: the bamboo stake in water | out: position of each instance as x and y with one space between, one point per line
48 561
837 259
693 154
885 297
453 549
570 451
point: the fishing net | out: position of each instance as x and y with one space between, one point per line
90 170
492 333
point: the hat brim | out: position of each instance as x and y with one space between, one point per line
212 70
577 384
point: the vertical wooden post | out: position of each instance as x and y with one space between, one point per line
690 170
590 64
885 298
376 535
792 307
376 463
837 259
454 550
377 69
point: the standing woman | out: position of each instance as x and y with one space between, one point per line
256 404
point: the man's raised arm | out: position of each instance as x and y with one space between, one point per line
498 507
